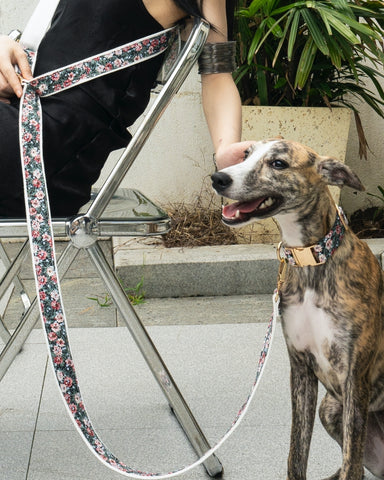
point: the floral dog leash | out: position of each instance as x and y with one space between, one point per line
42 244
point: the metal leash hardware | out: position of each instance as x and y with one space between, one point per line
282 269
43 253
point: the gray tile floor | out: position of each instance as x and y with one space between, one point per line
211 346
214 368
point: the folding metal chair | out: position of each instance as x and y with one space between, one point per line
114 212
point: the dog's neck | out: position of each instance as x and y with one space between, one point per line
309 224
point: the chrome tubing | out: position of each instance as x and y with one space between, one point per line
178 74
28 321
158 368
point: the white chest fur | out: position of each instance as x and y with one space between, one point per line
309 328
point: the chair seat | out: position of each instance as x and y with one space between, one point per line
129 213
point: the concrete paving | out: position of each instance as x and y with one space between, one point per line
214 367
211 346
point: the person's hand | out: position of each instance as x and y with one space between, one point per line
231 154
11 55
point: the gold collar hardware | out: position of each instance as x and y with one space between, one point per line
303 256
281 275
282 270
319 253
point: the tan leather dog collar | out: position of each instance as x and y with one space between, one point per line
319 253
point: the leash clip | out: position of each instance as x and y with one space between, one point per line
282 270
22 80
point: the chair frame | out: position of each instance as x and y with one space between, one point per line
84 232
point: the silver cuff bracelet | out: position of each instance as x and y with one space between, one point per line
217 58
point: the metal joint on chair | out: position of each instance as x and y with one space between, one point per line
83 231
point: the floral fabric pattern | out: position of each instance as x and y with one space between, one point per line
99 65
41 234
327 246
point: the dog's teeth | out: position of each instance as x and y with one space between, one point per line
237 214
266 203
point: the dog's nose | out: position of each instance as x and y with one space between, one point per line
221 181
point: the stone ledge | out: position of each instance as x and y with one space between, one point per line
202 271
197 271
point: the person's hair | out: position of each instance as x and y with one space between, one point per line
194 7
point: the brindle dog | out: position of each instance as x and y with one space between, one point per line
332 313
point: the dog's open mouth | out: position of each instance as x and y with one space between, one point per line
241 212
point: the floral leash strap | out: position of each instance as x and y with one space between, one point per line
42 244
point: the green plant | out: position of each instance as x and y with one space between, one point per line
311 53
136 295
102 300
381 198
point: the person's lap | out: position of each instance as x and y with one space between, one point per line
76 145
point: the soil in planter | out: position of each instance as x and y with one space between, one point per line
368 223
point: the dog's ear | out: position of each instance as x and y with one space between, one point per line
336 173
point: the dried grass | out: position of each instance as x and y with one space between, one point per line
196 225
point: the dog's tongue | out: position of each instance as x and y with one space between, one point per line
230 210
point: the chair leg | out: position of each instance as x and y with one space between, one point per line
183 414
16 281
30 317
11 276
4 332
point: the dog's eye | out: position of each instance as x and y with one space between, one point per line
279 164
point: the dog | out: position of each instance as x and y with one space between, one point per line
331 299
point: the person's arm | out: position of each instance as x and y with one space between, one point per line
222 108
11 55
220 97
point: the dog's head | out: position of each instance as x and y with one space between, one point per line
277 176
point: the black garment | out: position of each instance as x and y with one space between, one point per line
81 126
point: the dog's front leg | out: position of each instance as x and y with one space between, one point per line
355 415
304 386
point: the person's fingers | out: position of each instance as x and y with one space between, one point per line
240 148
12 56
23 64
12 79
232 154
